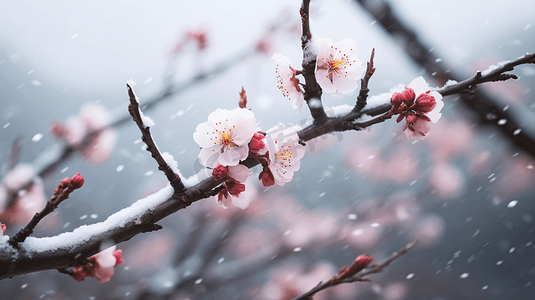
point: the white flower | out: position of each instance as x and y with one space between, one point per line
287 83
337 69
285 153
224 137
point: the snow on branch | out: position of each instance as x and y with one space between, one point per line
61 193
313 91
144 123
493 74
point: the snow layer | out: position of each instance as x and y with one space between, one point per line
70 240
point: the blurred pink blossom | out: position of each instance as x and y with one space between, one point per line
88 133
429 230
28 202
395 291
453 137
516 176
447 180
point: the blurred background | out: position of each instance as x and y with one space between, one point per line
464 192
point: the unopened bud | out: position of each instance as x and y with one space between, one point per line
219 172
77 181
243 99
267 177
406 96
360 263
256 144
425 103
65 181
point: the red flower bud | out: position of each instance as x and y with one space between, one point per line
360 263
235 188
3 227
425 103
256 144
65 182
219 172
406 96
267 177
77 181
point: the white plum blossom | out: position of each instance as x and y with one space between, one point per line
225 136
285 153
286 81
337 68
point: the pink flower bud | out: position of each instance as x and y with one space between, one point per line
219 172
425 103
77 181
256 144
3 228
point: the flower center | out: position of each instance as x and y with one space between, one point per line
226 138
227 141
336 64
283 155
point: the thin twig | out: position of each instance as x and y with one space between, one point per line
363 95
62 192
146 137
482 104
336 281
498 74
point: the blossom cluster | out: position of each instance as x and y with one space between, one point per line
231 136
88 132
337 70
419 106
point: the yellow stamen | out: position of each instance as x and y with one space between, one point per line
226 138
336 64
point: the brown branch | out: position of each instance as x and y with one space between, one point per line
146 137
481 104
363 95
497 74
61 193
136 222
339 280
312 89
